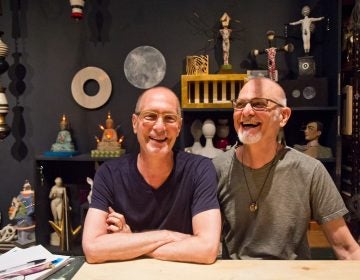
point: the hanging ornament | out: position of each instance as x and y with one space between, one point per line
4 109
4 106
77 7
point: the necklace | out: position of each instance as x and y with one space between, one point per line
253 207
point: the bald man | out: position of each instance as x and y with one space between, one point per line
159 203
268 192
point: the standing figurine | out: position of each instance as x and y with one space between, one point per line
225 34
307 27
271 54
60 208
57 195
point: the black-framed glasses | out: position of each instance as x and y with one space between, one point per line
152 117
257 104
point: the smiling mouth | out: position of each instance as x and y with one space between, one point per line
250 125
158 140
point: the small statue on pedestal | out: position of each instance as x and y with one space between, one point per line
225 34
306 63
60 209
56 196
307 27
22 210
109 145
63 145
312 148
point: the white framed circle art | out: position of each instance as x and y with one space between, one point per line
101 78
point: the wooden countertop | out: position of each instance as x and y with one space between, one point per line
222 269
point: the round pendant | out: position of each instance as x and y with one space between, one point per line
253 207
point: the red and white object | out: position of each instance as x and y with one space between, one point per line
77 8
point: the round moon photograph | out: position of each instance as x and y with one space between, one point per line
145 67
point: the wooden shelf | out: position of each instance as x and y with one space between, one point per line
210 91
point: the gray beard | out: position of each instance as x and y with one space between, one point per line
245 138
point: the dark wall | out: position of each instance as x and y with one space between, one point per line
54 47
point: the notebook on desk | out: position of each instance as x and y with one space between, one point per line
34 262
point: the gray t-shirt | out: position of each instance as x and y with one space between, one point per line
298 188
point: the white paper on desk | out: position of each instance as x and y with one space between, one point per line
65 260
18 256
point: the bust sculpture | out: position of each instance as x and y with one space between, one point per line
196 132
63 140
312 148
209 130
109 145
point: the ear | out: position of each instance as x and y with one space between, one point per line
134 120
179 127
285 114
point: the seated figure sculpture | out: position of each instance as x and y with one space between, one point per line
63 145
110 144
22 211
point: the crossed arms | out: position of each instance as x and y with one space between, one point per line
107 237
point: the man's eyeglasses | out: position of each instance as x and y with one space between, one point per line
258 104
152 117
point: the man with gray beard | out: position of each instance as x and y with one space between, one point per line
269 192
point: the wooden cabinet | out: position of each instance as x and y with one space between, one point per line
73 171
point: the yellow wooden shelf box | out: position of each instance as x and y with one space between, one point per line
210 90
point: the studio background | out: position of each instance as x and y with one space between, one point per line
54 47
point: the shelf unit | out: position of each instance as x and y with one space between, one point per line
350 84
196 108
73 171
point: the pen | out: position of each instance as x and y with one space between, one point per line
22 266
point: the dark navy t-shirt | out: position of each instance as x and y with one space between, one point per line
190 189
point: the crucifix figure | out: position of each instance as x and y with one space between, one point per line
307 27
271 54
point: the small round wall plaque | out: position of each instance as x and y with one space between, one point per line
88 74
309 92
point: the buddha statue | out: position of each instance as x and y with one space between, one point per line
110 144
63 140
